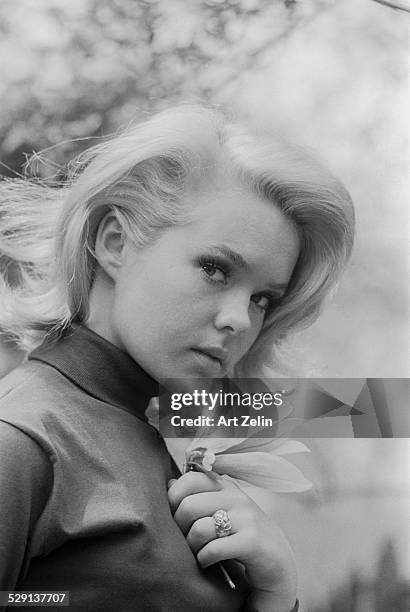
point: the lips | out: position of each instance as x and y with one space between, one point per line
216 353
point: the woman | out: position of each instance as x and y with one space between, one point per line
183 248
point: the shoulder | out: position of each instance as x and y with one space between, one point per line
26 455
26 482
33 398
34 386
10 357
31 384
20 455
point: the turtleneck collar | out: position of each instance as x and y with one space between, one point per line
99 368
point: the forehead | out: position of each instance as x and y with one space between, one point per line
246 223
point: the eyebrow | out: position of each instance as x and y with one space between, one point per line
239 261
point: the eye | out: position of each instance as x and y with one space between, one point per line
214 272
265 301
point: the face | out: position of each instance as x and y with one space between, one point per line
193 303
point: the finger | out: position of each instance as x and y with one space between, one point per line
189 484
202 531
234 546
199 505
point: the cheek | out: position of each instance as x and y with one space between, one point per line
155 312
247 340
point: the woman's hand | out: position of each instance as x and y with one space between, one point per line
255 540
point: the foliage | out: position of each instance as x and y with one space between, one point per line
83 68
329 74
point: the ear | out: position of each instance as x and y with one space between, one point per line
109 245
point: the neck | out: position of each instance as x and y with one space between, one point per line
101 305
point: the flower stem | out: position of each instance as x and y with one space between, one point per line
197 467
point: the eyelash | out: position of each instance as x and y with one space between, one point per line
272 303
215 263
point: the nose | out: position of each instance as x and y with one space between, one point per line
233 314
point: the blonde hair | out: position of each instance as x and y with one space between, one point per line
47 234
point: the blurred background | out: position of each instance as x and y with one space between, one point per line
328 74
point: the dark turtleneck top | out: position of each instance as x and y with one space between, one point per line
83 487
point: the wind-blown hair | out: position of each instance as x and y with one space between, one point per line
142 175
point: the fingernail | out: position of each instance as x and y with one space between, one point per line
171 482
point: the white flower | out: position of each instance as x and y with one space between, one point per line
250 461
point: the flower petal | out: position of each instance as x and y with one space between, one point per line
214 445
280 446
263 470
289 447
